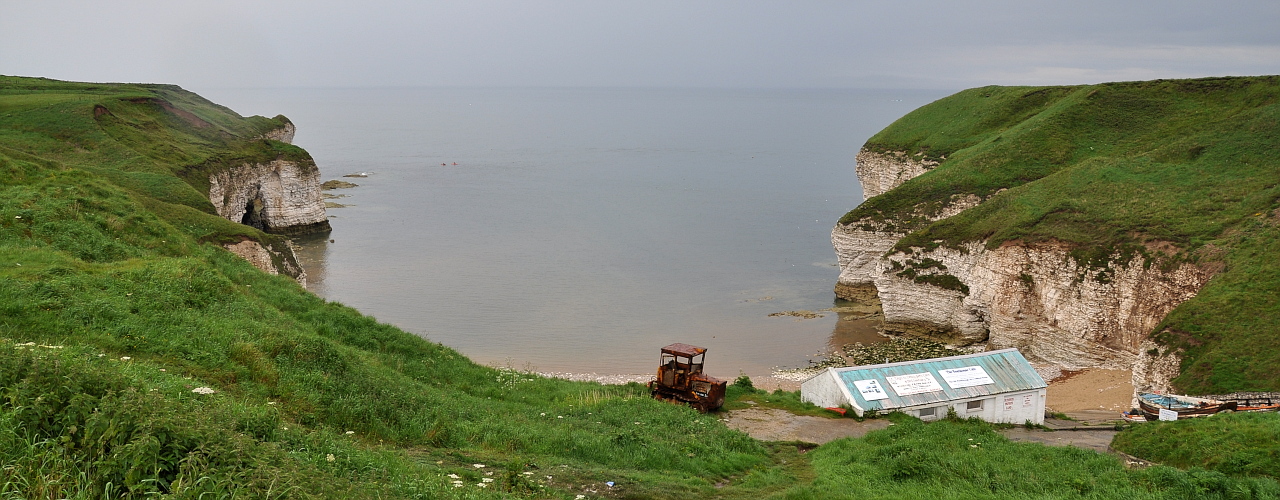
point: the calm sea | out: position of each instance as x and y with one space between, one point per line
582 229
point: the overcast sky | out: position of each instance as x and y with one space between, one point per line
939 44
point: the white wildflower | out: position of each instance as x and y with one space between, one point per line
490 473
527 473
478 466
350 433
125 358
486 480
559 416
330 457
457 484
579 497
203 390
482 485
271 402
454 476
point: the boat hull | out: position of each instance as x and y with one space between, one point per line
1184 406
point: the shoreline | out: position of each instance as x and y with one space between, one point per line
1069 391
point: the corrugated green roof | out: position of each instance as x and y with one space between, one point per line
1007 369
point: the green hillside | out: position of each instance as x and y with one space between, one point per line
140 359
1173 170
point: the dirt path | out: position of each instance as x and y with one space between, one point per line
1096 440
772 424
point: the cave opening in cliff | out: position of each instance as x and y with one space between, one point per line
253 214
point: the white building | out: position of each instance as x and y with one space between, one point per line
996 386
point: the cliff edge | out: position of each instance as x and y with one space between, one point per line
1088 226
227 179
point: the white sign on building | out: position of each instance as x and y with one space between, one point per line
968 376
870 390
915 383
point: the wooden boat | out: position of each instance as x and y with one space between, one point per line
1251 401
1184 406
1272 407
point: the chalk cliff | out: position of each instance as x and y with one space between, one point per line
269 258
284 133
881 171
1035 297
279 196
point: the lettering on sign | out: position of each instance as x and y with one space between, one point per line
870 390
968 376
1026 400
1008 403
915 383
1168 414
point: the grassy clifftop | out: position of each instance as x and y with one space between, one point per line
1174 170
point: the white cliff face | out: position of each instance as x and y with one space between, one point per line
859 246
269 259
859 253
1156 367
880 172
1039 299
280 196
1036 298
283 134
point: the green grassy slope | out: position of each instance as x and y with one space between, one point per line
138 358
114 307
1235 443
1191 167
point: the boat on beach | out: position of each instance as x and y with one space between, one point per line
1184 406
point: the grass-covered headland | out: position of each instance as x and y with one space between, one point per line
1172 170
138 358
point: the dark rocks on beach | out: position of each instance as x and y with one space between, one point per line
337 184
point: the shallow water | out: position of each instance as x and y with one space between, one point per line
582 229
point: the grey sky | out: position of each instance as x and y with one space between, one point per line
946 44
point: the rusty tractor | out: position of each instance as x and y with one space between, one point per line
680 378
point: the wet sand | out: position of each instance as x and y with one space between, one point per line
1091 390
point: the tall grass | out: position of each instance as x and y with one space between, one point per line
1237 444
969 460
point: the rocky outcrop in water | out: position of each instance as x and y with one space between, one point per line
1037 298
